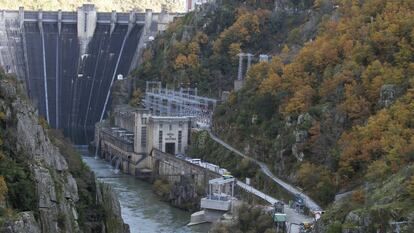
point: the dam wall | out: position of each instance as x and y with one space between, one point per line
70 60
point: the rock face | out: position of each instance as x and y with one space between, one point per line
183 194
48 166
388 94
107 198
56 189
122 91
24 222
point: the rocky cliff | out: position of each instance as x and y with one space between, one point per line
184 194
56 196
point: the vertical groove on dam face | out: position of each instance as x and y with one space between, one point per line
35 65
50 36
94 74
68 60
94 64
98 50
45 81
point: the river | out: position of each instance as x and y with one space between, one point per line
140 207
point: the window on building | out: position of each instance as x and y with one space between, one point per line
180 135
170 127
180 123
144 120
86 22
143 137
160 140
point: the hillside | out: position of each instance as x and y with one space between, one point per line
201 48
101 5
44 185
332 112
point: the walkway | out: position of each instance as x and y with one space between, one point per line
265 169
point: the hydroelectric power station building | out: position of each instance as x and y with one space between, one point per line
134 133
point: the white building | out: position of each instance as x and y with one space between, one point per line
193 4
168 134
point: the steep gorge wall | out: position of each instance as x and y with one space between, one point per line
56 189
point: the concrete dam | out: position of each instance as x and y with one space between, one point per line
69 60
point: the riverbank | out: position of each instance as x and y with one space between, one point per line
141 208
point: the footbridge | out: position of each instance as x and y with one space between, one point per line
70 60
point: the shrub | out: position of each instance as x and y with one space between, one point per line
358 196
410 186
3 189
378 170
335 227
161 188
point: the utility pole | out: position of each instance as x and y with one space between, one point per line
239 73
249 60
249 63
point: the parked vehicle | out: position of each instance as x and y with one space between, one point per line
227 176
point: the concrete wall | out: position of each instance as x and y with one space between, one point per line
87 19
124 118
161 165
70 60
130 161
171 168
140 117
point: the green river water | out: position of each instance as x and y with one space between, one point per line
141 208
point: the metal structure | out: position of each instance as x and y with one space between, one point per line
221 191
397 226
249 63
250 57
185 102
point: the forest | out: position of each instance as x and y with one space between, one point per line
332 111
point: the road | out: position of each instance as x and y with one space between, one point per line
309 203
292 215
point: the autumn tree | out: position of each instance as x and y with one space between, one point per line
386 136
410 187
317 180
300 102
136 98
234 49
271 84
180 62
3 190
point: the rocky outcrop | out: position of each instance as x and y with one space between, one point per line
122 91
106 197
56 188
25 222
48 166
388 94
184 194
